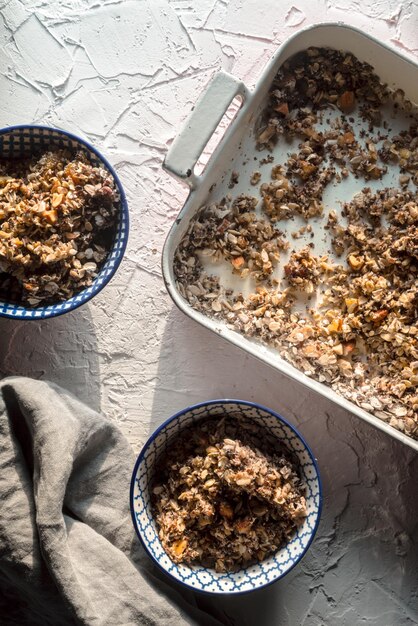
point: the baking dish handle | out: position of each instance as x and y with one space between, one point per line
198 129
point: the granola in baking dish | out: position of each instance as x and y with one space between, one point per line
58 213
226 494
348 318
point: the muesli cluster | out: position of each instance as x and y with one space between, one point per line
58 213
227 494
348 318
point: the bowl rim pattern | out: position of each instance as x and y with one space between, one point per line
154 436
116 252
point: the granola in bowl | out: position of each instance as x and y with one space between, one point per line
227 495
58 215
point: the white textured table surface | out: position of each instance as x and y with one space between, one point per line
125 74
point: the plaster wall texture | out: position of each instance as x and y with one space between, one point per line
125 74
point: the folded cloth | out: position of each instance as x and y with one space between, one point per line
68 553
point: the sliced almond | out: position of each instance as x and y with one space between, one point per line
56 199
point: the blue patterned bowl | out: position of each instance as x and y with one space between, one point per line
201 578
18 141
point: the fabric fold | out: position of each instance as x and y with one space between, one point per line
68 553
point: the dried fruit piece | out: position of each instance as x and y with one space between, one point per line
226 514
347 102
336 325
50 216
179 547
283 108
238 262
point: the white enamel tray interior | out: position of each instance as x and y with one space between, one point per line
237 152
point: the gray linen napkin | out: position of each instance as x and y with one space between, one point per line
68 551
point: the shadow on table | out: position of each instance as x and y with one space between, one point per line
196 364
368 525
62 350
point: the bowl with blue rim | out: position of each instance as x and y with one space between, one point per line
23 141
257 574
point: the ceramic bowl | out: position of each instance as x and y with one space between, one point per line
18 141
205 579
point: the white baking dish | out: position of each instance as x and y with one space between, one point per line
236 152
